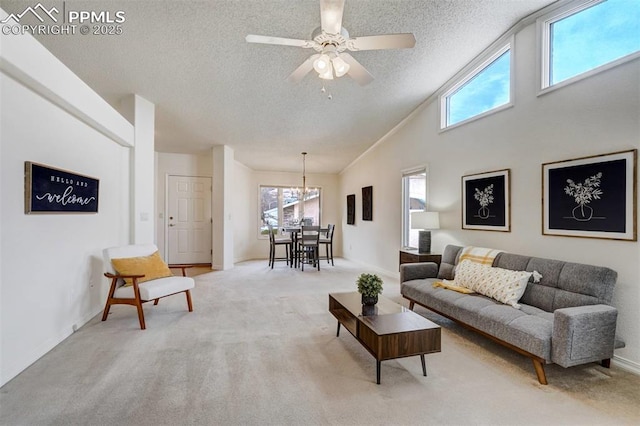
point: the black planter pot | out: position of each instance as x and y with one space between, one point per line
369 300
369 310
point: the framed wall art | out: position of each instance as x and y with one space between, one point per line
367 203
593 197
486 201
351 209
51 190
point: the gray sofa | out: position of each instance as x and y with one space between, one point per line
565 319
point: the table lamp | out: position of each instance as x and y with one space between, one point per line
425 221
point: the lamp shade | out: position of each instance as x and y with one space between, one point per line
340 66
425 220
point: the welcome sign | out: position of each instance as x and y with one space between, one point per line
51 190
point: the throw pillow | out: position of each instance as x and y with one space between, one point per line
151 266
503 285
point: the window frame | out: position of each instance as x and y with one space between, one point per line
468 73
543 30
406 211
280 207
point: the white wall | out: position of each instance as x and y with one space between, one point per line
51 265
594 116
245 207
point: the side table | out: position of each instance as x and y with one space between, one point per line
414 256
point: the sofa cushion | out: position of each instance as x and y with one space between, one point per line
448 262
503 285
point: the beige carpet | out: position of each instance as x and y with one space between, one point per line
260 349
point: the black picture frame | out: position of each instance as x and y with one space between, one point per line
591 197
351 209
486 201
367 203
51 190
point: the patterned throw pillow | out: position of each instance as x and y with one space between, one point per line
503 285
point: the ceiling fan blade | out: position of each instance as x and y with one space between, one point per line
356 70
386 41
278 40
331 16
302 70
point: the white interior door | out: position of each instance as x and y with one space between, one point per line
189 219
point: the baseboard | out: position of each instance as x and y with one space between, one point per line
625 364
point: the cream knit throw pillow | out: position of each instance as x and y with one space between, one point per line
503 285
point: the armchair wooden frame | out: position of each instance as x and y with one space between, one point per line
137 301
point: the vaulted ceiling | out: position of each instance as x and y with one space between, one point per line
210 87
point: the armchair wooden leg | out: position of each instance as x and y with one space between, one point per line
155 302
188 292
107 307
411 305
606 363
140 315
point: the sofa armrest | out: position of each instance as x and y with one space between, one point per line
418 271
583 334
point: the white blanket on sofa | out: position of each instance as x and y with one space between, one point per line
482 255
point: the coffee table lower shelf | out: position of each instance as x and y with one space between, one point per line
391 332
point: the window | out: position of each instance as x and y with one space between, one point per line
414 198
577 40
282 206
485 89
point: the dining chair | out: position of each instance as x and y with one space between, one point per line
274 242
307 249
327 241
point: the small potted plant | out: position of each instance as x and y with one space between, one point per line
370 286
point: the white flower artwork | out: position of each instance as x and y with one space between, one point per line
584 193
484 197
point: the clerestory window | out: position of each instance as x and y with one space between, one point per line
584 38
484 90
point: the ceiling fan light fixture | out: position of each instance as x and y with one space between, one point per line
328 74
340 66
322 63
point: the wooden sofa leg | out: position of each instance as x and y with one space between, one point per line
155 302
537 364
411 305
188 292
606 363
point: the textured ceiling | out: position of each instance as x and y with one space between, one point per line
210 87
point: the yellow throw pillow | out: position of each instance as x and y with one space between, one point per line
151 267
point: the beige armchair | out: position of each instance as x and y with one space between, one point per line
139 275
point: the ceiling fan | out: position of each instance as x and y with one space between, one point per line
331 42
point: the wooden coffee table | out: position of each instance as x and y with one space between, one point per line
391 332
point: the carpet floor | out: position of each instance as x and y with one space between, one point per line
260 349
